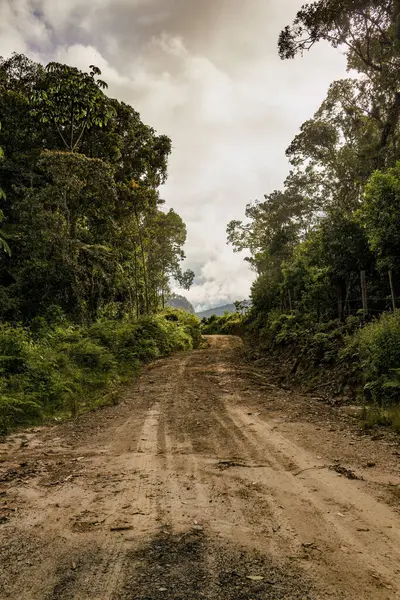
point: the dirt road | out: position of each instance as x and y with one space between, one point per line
206 481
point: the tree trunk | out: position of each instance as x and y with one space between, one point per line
394 113
340 305
391 123
364 293
346 301
136 282
396 18
290 301
146 287
392 290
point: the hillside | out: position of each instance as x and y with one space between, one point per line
181 302
218 310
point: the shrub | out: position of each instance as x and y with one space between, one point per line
64 369
14 343
379 347
228 324
17 411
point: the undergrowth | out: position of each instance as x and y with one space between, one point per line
353 358
228 324
60 370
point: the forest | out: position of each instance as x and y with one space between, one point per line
326 247
146 454
87 252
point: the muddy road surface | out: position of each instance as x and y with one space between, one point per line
205 481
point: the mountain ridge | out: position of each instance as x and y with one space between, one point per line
219 311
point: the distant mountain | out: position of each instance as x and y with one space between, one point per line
181 302
219 311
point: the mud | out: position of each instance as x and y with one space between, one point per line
204 482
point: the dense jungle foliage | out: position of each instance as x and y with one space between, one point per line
86 253
326 247
61 369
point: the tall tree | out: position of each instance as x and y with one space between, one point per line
369 30
81 174
3 243
71 101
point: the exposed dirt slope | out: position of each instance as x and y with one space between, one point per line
205 482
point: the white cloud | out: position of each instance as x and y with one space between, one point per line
208 75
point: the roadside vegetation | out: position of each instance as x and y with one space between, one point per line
228 324
326 247
86 251
59 369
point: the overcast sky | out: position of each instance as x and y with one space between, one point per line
206 73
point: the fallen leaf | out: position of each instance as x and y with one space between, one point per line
255 577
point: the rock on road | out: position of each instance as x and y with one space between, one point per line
204 482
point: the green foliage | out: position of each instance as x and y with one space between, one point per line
93 253
228 324
379 213
336 216
17 411
384 417
72 102
3 243
81 174
366 355
394 382
282 329
379 346
67 368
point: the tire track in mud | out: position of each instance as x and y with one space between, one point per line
106 578
201 512
318 497
128 497
197 527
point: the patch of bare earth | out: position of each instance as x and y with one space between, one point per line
206 481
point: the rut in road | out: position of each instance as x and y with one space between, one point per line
187 490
